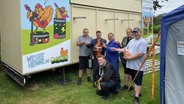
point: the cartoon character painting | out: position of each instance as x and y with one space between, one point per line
60 22
64 55
40 18
62 58
45 34
148 22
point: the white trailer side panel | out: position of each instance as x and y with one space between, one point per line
128 5
82 17
121 25
29 52
98 18
11 48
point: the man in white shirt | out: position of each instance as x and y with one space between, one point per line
135 52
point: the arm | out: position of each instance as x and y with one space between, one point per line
99 80
105 41
110 49
80 43
118 49
134 56
120 45
90 45
103 49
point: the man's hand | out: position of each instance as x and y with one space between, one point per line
114 49
86 43
81 43
127 57
104 45
99 87
134 56
100 79
117 42
96 46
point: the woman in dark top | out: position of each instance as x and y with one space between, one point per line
127 73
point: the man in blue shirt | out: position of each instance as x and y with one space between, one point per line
112 56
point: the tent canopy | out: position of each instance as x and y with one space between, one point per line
172 26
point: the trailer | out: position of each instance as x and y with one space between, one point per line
39 35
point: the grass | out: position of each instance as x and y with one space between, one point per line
42 88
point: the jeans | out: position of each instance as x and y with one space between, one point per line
107 87
95 68
115 64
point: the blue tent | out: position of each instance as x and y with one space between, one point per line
172 57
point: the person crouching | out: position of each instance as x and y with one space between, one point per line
108 78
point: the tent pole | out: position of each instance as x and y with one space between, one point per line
153 73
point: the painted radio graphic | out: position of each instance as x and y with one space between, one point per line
60 22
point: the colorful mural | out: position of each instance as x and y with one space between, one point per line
147 20
45 34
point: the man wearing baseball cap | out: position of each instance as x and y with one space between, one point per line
137 48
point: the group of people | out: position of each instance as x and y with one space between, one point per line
105 61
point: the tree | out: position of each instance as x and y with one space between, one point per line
156 4
157 19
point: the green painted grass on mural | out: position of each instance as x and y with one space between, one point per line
27 49
148 33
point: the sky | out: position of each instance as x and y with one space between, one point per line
169 6
26 24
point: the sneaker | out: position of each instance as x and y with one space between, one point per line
116 91
99 92
136 101
131 89
125 87
89 79
79 81
105 97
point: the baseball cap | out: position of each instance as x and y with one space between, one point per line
136 29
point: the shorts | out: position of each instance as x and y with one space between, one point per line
126 70
83 62
138 80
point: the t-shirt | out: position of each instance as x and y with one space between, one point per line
134 47
83 49
98 53
124 43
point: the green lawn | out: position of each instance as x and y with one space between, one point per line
43 89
